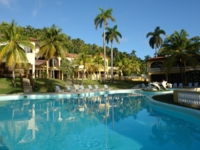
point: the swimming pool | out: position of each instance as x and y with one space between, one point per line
114 120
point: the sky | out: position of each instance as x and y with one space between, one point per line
134 18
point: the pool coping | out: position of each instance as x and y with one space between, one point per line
52 95
161 106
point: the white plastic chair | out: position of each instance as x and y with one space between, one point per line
190 84
149 85
76 88
96 87
156 85
143 85
180 85
90 87
175 85
164 85
58 89
106 87
68 88
82 88
196 84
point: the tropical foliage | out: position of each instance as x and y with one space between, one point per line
12 49
181 51
155 41
98 21
51 49
111 35
52 42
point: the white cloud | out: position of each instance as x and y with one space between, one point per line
124 39
34 12
58 2
5 2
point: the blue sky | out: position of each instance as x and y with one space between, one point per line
135 18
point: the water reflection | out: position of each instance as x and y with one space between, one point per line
169 129
46 122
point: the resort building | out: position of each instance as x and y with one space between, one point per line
156 74
41 68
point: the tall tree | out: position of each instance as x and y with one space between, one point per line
133 53
12 51
98 62
101 19
181 49
125 65
155 40
111 35
52 42
83 59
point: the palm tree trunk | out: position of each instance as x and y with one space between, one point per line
83 74
181 70
156 52
13 74
111 61
185 79
104 47
53 68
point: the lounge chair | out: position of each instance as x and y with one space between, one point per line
96 87
175 85
169 85
76 88
90 88
155 84
58 89
82 88
180 85
164 85
106 87
196 84
190 85
68 88
149 85
143 85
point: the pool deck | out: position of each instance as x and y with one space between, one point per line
55 95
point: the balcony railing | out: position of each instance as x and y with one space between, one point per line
173 69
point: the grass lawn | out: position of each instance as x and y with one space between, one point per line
42 85
48 85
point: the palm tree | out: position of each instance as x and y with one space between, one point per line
83 59
12 51
98 62
111 35
181 49
155 40
133 53
98 21
136 66
125 66
52 42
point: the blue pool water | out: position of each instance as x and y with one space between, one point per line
122 121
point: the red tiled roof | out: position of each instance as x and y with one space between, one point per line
70 55
157 58
40 62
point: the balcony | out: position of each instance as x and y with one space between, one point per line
173 69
